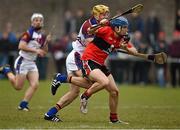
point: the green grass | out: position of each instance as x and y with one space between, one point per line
143 107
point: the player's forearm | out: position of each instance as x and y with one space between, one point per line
23 46
93 30
45 48
46 43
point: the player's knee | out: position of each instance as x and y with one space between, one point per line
35 85
18 87
114 93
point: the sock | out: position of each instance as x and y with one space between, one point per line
85 95
52 111
23 104
58 107
62 78
6 70
113 117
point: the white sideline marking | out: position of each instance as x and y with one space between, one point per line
124 107
139 107
150 107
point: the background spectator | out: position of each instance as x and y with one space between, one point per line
140 68
175 53
152 28
177 21
58 50
80 17
8 44
69 22
161 70
136 23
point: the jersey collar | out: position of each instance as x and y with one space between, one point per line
93 21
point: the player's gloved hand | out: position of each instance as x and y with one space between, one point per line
104 22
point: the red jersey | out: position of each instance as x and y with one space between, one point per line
104 42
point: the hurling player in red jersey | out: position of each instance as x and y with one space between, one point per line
74 64
107 39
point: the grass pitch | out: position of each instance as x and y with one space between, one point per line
148 107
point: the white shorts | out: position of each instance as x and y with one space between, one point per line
71 64
23 66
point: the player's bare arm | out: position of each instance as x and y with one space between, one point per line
46 43
103 22
23 46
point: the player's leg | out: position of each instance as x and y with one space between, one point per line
113 100
65 100
73 72
73 66
17 80
76 80
61 78
94 73
29 68
70 96
97 74
72 93
100 81
4 69
33 78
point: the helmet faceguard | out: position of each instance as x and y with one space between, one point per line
99 10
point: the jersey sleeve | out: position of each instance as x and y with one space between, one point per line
25 37
43 40
102 31
85 27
